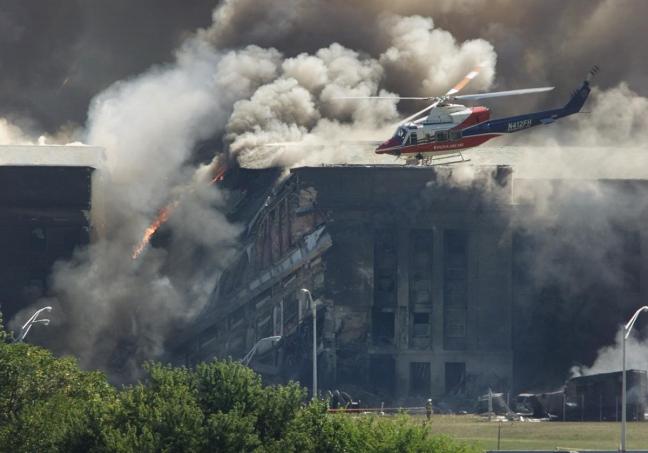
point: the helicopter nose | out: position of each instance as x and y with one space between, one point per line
388 146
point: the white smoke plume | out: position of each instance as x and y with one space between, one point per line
13 134
10 134
609 358
303 103
585 234
114 312
118 311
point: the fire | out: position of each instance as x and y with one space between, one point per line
219 172
163 216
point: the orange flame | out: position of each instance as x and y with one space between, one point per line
220 168
162 217
219 172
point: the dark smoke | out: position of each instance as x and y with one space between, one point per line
56 55
156 87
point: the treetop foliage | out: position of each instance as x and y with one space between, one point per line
49 404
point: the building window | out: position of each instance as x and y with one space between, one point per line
382 374
420 267
236 319
421 325
277 319
455 323
385 268
419 379
291 311
382 327
264 326
455 378
455 289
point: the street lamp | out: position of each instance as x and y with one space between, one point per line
24 330
314 312
247 358
626 333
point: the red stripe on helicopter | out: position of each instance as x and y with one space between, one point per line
478 115
432 147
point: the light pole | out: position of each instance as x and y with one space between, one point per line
24 330
626 333
247 358
314 312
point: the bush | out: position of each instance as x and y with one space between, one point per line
49 404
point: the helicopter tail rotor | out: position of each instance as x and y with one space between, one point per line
592 73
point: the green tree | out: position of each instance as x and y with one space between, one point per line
43 399
49 404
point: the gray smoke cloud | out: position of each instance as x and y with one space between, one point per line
253 76
609 358
114 311
56 57
303 103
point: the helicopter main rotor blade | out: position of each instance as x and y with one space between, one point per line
496 94
455 89
386 97
419 113
465 81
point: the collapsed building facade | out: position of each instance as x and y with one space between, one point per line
45 196
595 397
421 283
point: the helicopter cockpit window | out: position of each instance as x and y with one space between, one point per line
441 136
455 135
400 133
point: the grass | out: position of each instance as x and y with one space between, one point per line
538 435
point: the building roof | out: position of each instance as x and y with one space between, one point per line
565 162
544 162
51 155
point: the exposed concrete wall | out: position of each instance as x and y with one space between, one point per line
368 348
363 202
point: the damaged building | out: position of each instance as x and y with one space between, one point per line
44 214
411 278
424 284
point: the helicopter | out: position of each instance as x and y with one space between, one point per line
446 128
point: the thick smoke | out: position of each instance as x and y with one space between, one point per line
56 57
264 75
12 134
115 311
609 357
303 103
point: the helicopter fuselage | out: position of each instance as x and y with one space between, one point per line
440 132
450 128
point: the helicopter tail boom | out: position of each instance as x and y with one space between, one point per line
520 122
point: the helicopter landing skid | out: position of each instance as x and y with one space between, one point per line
440 160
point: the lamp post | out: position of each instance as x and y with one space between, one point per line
24 330
314 312
247 358
626 333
